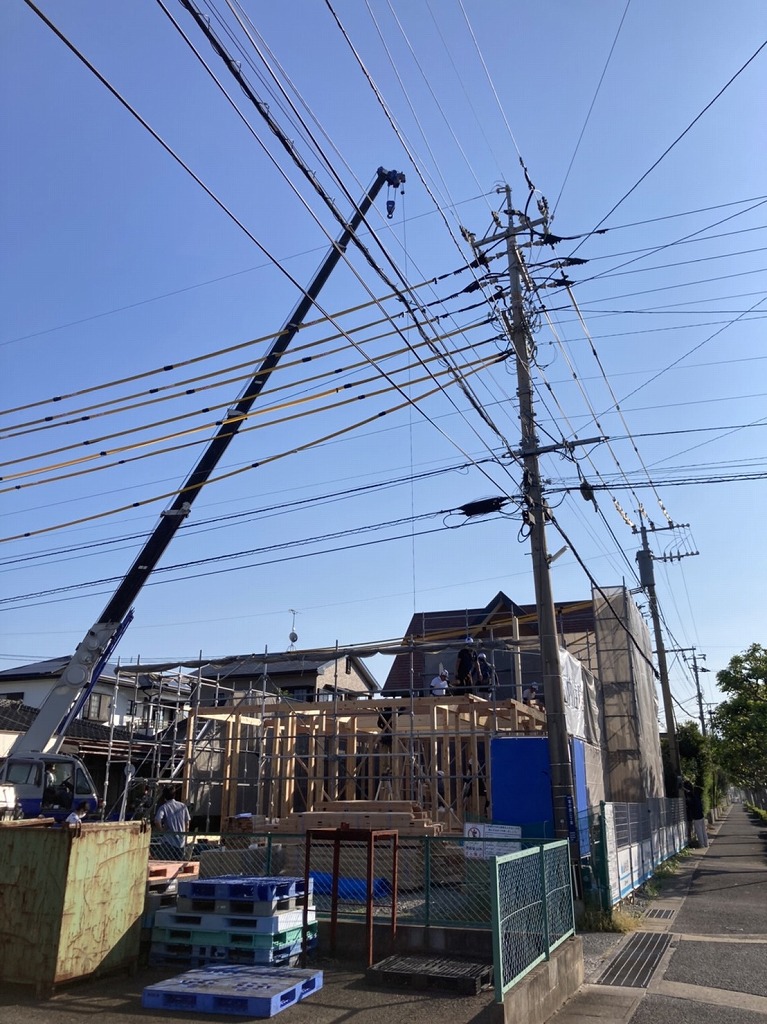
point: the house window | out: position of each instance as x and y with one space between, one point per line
16 695
97 707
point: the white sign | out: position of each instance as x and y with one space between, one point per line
484 832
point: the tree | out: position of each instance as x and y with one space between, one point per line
696 761
740 722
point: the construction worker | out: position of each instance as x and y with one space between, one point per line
439 684
466 666
173 819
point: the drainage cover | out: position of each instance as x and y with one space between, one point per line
636 964
665 914
465 977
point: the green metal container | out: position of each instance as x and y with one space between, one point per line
71 900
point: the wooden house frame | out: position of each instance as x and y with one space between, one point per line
434 751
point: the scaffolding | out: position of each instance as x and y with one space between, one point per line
433 751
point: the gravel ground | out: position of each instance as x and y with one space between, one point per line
599 948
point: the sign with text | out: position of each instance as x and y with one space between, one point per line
490 840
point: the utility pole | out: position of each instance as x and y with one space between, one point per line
696 669
536 514
645 560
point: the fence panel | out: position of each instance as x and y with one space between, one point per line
634 840
443 881
532 910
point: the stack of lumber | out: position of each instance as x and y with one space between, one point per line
245 823
255 860
409 819
238 831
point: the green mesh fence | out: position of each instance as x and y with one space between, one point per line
442 881
532 906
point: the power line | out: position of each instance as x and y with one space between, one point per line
679 137
236 518
591 105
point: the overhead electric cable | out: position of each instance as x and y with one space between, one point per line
261 411
218 202
272 561
313 180
616 403
679 137
234 472
689 352
108 408
122 449
591 105
81 549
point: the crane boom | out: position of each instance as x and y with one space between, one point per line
78 674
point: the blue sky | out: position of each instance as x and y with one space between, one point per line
116 262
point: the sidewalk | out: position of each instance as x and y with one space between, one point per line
701 954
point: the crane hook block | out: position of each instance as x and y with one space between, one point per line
390 208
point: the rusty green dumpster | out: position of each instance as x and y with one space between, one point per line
71 900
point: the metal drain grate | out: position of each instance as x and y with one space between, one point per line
461 976
665 914
636 964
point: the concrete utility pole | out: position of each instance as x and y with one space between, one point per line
644 559
696 669
562 789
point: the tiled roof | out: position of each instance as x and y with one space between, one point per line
17 717
45 670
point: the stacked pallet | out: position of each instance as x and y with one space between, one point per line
162 886
236 920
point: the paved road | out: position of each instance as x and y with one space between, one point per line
714 971
715 968
345 999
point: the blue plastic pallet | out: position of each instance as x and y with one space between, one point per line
242 887
225 922
231 938
234 908
235 990
198 956
199 962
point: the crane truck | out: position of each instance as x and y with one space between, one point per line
44 780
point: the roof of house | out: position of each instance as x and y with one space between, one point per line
53 667
17 717
45 670
255 668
